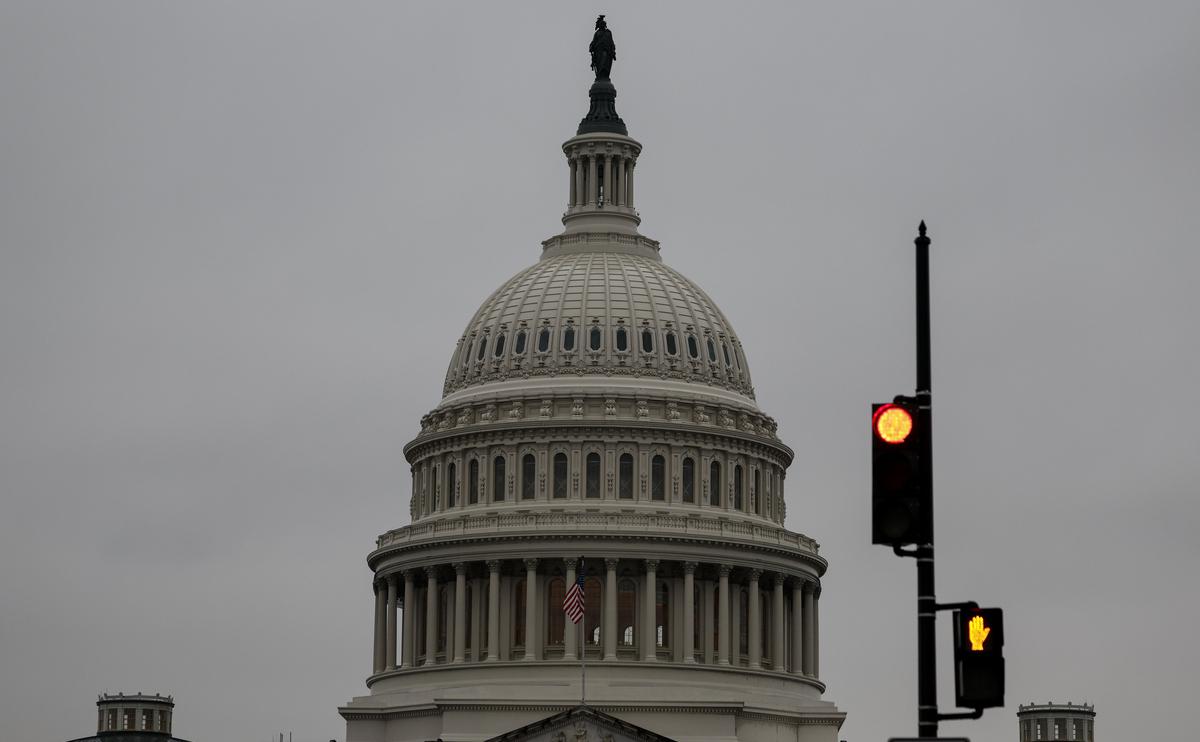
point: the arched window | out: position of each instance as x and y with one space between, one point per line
437 502
498 351
519 343
712 350
451 485
658 478
444 608
528 476
689 479
625 477
519 614
560 476
743 621
626 613
593 594
758 495
647 340
555 618
672 344
593 475
473 481
714 484
622 339
662 615
693 347
725 350
569 338
595 337
543 344
737 487
498 479
482 348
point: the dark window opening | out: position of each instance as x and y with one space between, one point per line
482 348
543 345
712 350
647 341
569 338
528 476
593 475
560 476
658 478
625 475
714 484
672 345
473 482
622 339
689 480
498 479
595 335
693 346
499 351
519 344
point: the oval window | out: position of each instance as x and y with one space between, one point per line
622 339
647 341
482 348
672 345
693 347
712 350
725 350
594 337
544 340
499 351
569 338
519 344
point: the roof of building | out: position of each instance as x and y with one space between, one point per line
580 717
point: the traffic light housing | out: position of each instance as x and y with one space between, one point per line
901 501
979 658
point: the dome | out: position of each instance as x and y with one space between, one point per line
600 306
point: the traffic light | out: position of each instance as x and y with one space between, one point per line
979 658
901 511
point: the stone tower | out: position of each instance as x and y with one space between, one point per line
598 423
1056 721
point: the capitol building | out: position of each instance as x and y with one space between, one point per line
598 423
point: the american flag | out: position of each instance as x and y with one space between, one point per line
573 603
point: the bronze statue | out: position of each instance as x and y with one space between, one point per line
603 50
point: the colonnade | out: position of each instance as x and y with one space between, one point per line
601 179
645 610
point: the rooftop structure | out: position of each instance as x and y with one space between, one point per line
1040 722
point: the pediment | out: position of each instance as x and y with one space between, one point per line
580 724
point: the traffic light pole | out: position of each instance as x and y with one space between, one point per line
927 706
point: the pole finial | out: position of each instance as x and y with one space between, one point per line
921 228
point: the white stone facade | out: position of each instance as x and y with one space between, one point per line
598 415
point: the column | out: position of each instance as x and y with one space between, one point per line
571 168
689 609
580 181
610 609
778 660
390 655
533 643
808 628
706 621
476 623
797 628
620 180
755 619
408 652
629 182
723 615
570 630
379 650
816 622
591 181
460 611
431 615
610 172
493 622
650 642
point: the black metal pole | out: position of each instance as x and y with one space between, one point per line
927 710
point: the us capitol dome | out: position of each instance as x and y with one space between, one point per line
598 421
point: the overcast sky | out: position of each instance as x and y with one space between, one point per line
239 241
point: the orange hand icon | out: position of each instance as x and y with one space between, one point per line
978 633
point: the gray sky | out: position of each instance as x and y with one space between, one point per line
239 241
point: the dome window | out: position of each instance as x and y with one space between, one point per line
625 475
519 343
560 476
672 344
647 340
737 487
725 350
689 479
482 348
712 351
543 345
693 347
528 476
593 475
658 478
473 482
714 484
498 352
569 339
595 337
622 340
498 479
